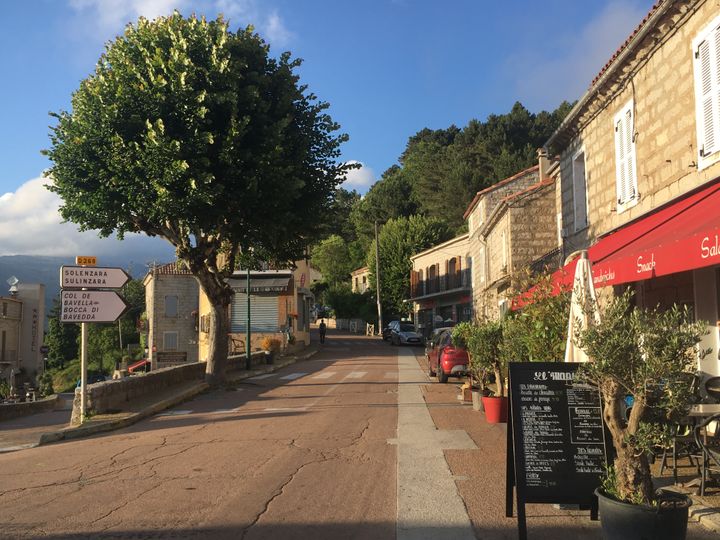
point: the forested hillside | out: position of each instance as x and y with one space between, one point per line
437 175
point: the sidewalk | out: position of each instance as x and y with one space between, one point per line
480 478
44 428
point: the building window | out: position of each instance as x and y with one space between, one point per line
625 162
481 264
170 341
504 250
706 64
579 191
171 306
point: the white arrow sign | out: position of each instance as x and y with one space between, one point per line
92 277
91 306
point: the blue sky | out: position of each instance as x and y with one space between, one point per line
388 68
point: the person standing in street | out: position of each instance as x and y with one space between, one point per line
322 328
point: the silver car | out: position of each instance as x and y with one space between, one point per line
403 333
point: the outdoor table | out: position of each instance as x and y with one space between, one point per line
698 412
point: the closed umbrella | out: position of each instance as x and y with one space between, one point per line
583 308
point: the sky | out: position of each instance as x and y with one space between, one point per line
388 68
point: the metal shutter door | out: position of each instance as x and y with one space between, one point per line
263 313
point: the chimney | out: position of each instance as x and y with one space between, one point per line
543 162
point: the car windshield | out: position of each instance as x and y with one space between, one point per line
407 328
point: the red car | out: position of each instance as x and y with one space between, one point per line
445 359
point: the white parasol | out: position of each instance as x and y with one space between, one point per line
583 301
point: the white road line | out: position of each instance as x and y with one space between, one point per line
224 411
293 376
285 409
175 413
356 374
391 375
258 377
422 468
324 375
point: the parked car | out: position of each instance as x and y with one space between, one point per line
403 333
445 358
387 330
93 378
432 340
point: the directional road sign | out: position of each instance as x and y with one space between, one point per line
91 306
93 277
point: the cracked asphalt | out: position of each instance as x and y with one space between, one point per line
305 456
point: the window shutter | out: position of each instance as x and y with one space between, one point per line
625 162
705 85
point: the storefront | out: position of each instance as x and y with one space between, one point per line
671 256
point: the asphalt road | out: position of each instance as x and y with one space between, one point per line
355 443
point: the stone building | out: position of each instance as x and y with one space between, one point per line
171 307
511 225
360 280
639 166
441 284
22 316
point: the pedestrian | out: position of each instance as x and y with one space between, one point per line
322 328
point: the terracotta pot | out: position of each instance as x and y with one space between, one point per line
496 409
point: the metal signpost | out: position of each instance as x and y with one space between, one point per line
82 303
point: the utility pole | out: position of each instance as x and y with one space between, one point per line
248 359
377 279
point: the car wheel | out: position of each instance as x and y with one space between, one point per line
441 376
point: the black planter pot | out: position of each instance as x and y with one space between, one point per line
625 521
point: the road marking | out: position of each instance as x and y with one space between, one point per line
324 375
224 411
285 409
258 377
179 412
391 375
422 467
293 376
356 374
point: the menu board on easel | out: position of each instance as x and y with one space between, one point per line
558 445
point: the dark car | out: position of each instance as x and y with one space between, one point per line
93 378
388 330
445 358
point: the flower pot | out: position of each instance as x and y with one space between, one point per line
477 400
495 409
625 521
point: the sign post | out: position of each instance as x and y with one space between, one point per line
80 304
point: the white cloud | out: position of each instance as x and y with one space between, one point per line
359 179
103 19
544 81
30 224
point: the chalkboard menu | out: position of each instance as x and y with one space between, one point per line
557 441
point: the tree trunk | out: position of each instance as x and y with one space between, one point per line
632 469
219 296
499 383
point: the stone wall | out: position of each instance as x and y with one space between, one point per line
17 410
666 144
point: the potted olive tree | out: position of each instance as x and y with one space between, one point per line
649 355
483 345
463 334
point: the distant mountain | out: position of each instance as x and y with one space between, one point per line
46 270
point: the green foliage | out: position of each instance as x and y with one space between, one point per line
332 258
482 340
196 134
61 338
4 389
650 355
45 384
349 305
538 331
401 238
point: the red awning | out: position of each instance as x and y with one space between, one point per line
682 236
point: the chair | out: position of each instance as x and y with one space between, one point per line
712 388
683 447
710 446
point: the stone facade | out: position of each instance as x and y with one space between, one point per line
360 280
441 284
21 332
651 82
171 307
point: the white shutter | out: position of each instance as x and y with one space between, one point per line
625 160
706 49
579 191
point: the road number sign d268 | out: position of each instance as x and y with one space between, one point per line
86 260
91 306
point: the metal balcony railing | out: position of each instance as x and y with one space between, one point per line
445 283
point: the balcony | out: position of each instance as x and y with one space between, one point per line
456 282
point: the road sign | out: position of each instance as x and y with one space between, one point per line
86 260
94 277
91 306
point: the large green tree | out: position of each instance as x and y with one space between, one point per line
194 133
61 338
332 258
400 239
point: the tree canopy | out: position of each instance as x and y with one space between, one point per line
194 133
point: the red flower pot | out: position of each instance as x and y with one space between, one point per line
496 409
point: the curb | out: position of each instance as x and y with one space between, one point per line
707 516
109 425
